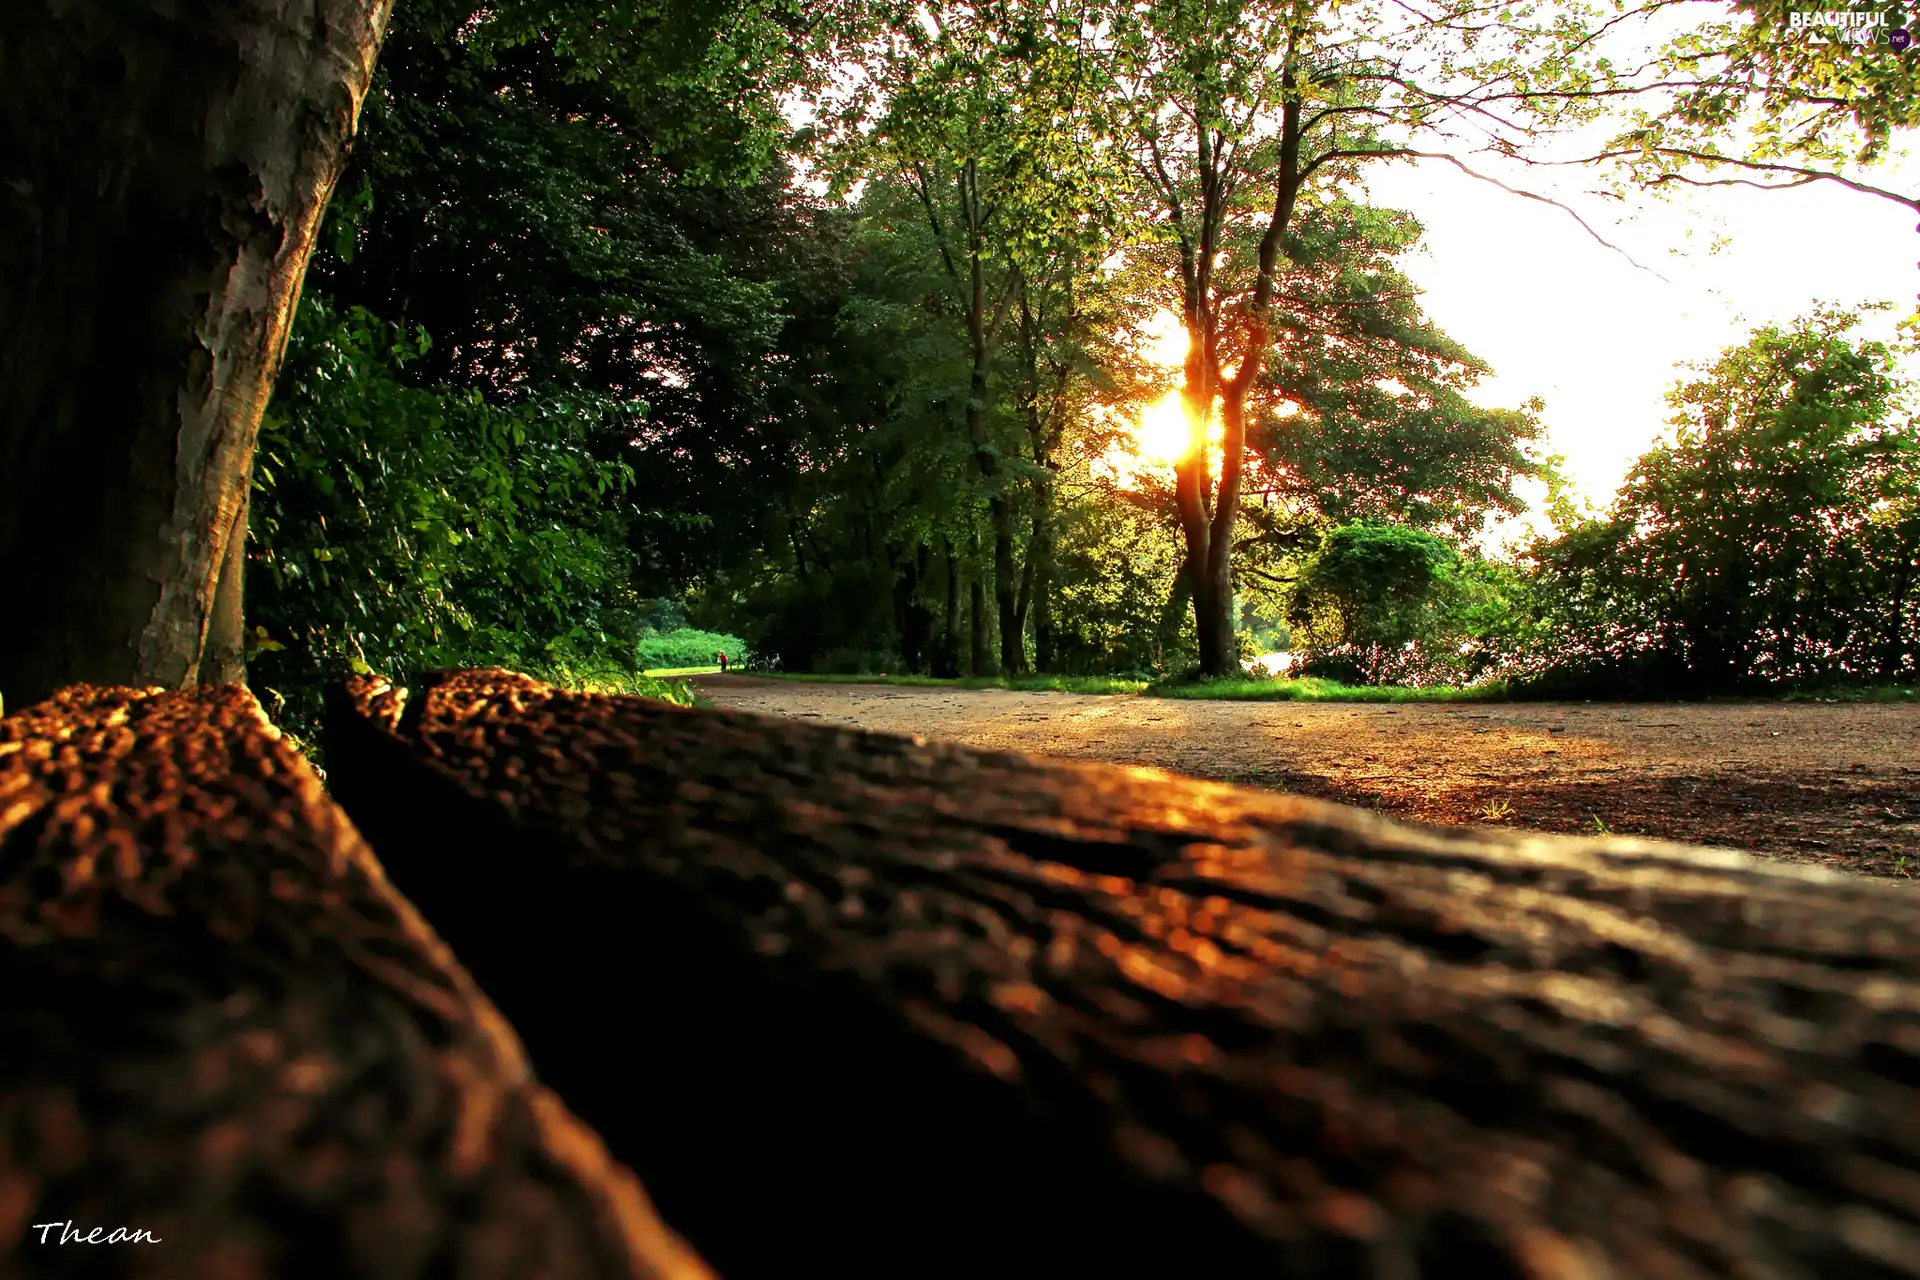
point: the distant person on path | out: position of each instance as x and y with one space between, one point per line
723 664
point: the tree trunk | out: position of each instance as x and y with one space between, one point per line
165 175
1044 657
1013 647
1207 517
979 654
799 553
1213 585
985 319
1209 506
987 463
914 621
947 663
1191 499
1037 586
1044 431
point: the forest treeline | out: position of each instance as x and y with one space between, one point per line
607 337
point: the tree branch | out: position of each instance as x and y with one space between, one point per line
1405 153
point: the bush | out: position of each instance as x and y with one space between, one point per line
689 647
395 528
1383 604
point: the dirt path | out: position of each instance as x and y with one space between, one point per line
1833 784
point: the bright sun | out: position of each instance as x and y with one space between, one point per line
1162 434
1154 443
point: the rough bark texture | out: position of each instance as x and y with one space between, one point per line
223 1026
933 1011
163 178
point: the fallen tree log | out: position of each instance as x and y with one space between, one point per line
858 1005
221 1028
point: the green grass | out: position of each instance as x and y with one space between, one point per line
1226 689
610 679
1312 689
1056 684
1249 689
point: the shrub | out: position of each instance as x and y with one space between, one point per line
688 647
395 528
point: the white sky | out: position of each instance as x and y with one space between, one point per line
1560 316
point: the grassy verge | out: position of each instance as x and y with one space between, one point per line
617 680
1311 689
1249 689
670 673
1304 689
1054 684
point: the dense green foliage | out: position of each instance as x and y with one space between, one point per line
397 528
1372 599
689 647
1382 604
1775 541
527 327
889 532
1384 428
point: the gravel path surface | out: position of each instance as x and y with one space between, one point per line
1834 784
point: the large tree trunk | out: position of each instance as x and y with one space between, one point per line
1012 652
1209 505
1044 652
165 172
1194 503
1044 431
985 319
1213 584
1207 515
1023 602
